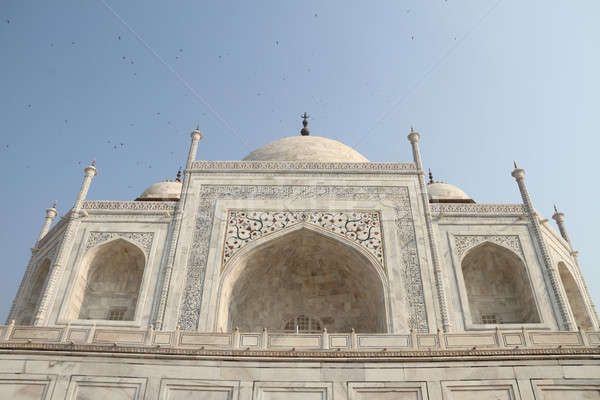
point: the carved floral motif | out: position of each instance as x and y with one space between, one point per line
465 242
478 209
144 239
361 227
303 165
394 196
129 205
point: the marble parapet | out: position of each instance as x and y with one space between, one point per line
13 336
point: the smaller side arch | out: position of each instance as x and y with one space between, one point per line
108 285
498 287
33 293
574 297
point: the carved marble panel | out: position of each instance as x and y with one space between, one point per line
143 239
360 227
393 196
465 242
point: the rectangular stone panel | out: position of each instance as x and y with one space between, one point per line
293 391
77 335
427 341
304 341
481 390
199 339
340 341
162 338
594 338
513 339
564 338
470 340
250 340
184 389
119 336
106 387
387 341
37 334
387 391
576 389
23 389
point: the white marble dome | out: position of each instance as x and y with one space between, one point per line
445 192
306 148
162 191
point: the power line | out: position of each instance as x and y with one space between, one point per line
174 72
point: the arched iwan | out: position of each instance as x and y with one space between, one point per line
303 275
498 286
34 292
109 285
575 298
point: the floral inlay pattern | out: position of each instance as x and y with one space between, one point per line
361 227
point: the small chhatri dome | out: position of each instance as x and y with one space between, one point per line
442 192
163 191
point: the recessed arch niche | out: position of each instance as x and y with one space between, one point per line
109 286
498 286
302 274
34 292
574 297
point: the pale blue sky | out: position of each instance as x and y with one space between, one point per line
484 81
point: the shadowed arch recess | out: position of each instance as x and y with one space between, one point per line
574 297
498 286
111 285
34 292
300 273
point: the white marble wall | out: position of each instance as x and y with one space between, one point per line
200 276
39 376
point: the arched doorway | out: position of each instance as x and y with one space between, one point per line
34 292
112 282
574 297
498 286
304 280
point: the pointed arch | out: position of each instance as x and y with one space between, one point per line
302 272
109 285
34 291
498 286
574 296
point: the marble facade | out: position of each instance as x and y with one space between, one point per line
369 285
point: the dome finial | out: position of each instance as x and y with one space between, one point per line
305 131
178 179
430 176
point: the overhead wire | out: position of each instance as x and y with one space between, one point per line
177 74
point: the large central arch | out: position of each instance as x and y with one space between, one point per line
303 279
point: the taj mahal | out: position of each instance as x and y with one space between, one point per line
303 271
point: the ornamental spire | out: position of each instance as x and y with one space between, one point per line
305 131
430 176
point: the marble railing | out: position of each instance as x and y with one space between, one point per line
265 340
